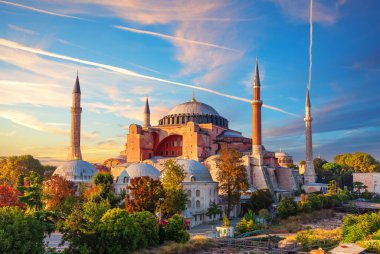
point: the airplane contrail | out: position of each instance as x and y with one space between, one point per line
311 44
174 38
15 45
38 10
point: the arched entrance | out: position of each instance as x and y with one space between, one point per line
170 146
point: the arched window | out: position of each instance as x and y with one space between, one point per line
198 204
192 178
198 193
189 204
189 193
125 179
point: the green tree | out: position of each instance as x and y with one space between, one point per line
232 177
358 162
358 186
332 188
174 202
287 207
175 230
173 175
119 233
32 193
103 182
175 198
80 229
359 227
213 210
260 199
318 167
13 168
149 227
20 233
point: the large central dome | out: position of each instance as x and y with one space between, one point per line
193 111
193 107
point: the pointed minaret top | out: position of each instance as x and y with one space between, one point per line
76 85
193 99
147 110
256 80
307 104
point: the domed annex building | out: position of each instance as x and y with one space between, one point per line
75 169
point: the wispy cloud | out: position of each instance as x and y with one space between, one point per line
174 38
325 13
8 134
23 30
119 70
38 10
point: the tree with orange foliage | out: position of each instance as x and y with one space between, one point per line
8 196
56 190
145 194
232 176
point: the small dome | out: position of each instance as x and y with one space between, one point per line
195 171
193 107
142 169
76 171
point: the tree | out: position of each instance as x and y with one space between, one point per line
80 227
175 198
332 188
318 164
175 230
8 196
32 193
287 207
103 189
148 224
174 202
232 176
56 190
358 186
173 175
13 168
119 233
145 194
20 233
260 199
358 162
214 210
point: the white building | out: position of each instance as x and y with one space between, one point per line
371 180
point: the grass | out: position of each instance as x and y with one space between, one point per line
196 245
294 224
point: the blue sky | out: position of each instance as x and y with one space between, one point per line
209 44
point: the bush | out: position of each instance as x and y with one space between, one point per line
150 230
175 230
260 199
20 233
358 227
118 233
226 221
246 226
264 214
370 245
310 239
287 207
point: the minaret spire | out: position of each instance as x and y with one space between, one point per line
146 114
309 175
256 117
76 110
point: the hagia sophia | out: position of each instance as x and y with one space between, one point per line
192 134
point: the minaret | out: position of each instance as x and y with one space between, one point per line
146 114
309 175
256 118
76 110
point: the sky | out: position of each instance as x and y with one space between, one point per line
127 50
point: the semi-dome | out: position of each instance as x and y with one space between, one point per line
193 111
142 169
195 171
76 171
